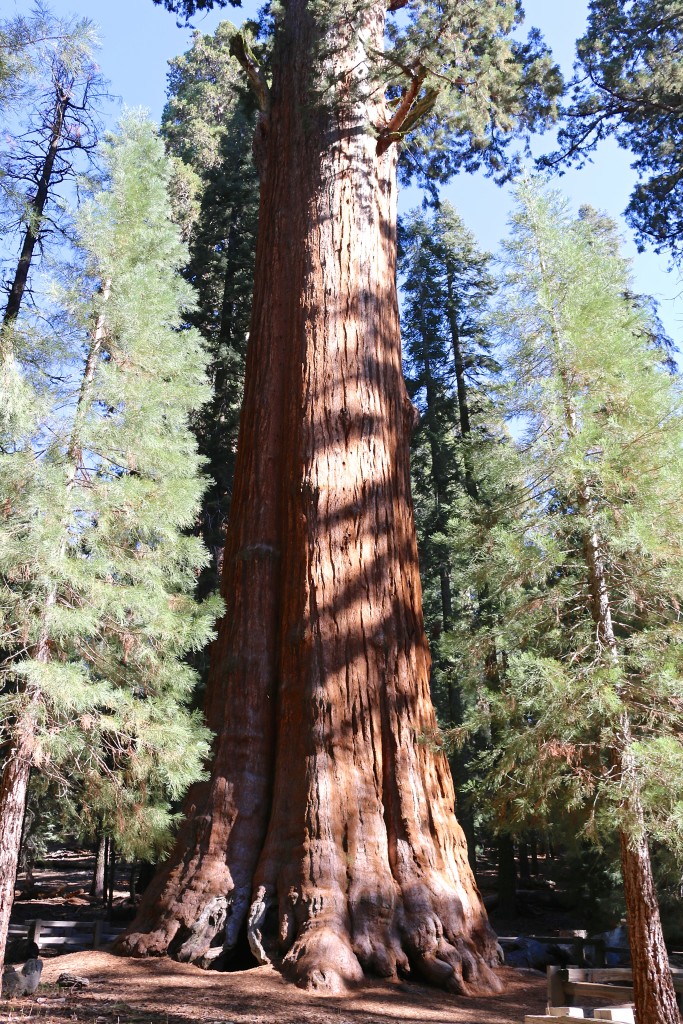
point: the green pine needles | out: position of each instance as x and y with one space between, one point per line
588 712
101 484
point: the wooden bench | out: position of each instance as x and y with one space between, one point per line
70 936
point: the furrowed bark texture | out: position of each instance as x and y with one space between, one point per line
340 852
653 990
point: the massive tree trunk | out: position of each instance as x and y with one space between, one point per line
326 835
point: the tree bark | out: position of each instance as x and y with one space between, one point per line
341 852
97 884
13 788
654 994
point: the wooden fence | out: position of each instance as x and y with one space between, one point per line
68 936
576 986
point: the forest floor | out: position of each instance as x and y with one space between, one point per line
161 991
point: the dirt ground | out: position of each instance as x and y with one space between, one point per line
161 991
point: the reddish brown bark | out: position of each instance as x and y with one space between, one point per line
653 990
341 853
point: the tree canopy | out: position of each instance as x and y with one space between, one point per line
629 84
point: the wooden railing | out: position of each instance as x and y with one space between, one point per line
68 935
577 986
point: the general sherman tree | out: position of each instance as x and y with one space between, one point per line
326 834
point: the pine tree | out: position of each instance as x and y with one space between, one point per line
465 525
100 485
208 123
628 84
590 703
446 285
53 125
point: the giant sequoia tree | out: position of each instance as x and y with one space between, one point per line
326 834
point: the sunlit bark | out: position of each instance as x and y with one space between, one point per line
327 827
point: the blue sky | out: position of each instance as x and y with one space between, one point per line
139 38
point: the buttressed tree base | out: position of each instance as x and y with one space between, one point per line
326 835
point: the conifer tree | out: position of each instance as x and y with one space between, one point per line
588 709
51 124
628 84
208 123
446 285
100 485
465 482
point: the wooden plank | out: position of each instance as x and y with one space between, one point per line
47 933
590 991
575 1012
546 1019
619 1014
598 973
66 924
557 977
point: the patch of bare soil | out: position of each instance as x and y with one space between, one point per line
161 991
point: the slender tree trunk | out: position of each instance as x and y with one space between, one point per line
654 994
533 849
341 853
461 387
459 770
21 742
655 997
111 871
523 856
36 210
97 884
438 479
13 789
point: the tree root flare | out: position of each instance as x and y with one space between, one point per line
323 961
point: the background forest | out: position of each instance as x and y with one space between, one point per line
547 459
